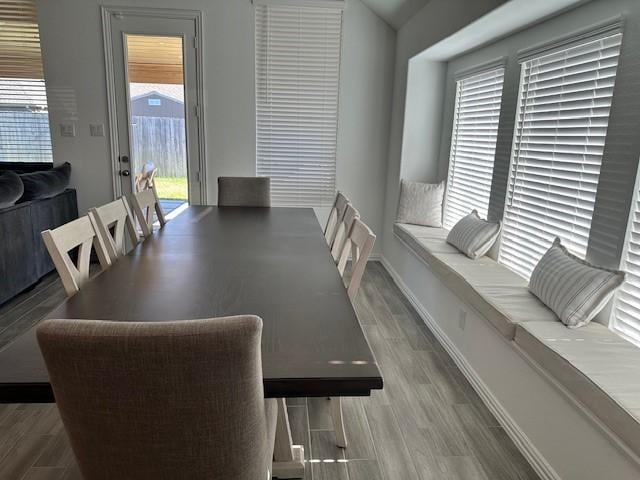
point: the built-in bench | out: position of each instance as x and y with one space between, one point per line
598 367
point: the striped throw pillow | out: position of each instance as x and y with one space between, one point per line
473 236
573 288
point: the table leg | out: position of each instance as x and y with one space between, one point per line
288 459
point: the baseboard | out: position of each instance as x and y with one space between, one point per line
519 438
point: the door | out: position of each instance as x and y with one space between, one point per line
154 65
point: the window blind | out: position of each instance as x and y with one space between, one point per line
297 84
473 144
24 120
562 118
626 309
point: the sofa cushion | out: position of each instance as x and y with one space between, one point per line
498 293
435 239
11 189
45 184
600 369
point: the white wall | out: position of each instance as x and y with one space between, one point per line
71 37
366 83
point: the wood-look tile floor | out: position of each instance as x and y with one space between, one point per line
427 424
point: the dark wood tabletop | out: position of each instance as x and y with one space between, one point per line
219 261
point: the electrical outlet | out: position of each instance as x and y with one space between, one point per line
68 129
462 319
96 130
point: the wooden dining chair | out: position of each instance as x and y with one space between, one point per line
113 220
335 217
358 245
144 179
162 400
76 239
342 232
145 204
244 191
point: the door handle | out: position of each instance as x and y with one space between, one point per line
125 173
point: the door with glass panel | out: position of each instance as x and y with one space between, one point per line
154 62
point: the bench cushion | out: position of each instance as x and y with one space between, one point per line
601 369
498 293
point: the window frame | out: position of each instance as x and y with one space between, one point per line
563 44
336 6
613 320
466 74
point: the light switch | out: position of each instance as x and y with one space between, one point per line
68 129
96 130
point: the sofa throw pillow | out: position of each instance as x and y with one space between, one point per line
46 184
11 188
474 236
421 203
573 288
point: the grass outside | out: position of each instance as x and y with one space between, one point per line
172 188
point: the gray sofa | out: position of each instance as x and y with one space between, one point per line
23 257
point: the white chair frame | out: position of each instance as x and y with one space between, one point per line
145 203
335 217
81 233
359 244
115 216
342 232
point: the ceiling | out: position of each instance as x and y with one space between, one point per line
154 59
395 12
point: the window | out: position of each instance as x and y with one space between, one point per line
473 144
626 307
297 82
562 119
24 118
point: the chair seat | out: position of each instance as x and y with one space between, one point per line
600 369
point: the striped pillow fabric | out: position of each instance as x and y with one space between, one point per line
573 288
473 236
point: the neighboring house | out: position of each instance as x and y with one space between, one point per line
156 104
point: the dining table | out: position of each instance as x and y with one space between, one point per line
211 262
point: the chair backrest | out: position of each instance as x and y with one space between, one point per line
335 217
145 178
161 399
244 191
145 204
360 244
112 220
342 232
81 234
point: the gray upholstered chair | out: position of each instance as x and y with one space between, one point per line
162 400
244 191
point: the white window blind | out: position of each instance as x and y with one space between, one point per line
297 82
473 144
24 119
562 119
626 309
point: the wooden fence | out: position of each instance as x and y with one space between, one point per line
160 140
